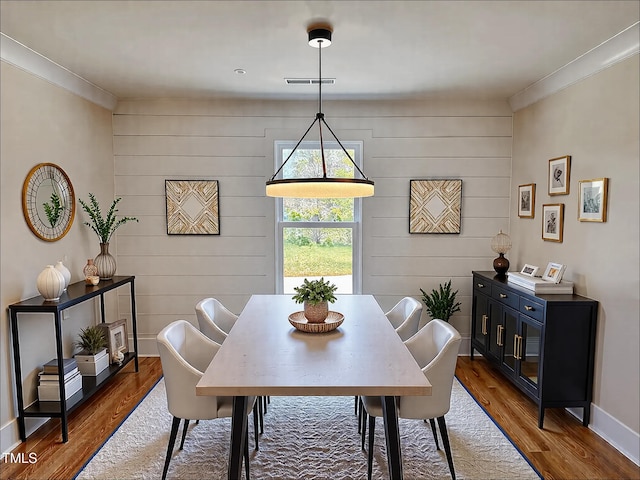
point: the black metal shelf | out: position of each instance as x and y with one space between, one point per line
76 293
90 385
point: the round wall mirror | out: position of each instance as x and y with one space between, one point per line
48 202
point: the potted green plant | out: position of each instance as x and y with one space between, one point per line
441 303
316 296
92 358
104 228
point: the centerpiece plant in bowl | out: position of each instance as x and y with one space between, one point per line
316 296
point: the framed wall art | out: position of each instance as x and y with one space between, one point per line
552 222
435 206
559 169
527 200
192 207
592 200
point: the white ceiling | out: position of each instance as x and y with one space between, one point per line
381 49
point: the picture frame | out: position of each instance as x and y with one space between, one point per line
529 270
435 205
192 207
552 222
526 200
592 200
559 174
553 273
117 337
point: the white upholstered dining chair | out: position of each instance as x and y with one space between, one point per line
185 353
405 317
435 349
214 319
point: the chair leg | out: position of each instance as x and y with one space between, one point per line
255 420
435 435
172 441
246 452
184 432
372 429
355 405
261 414
447 447
266 400
364 426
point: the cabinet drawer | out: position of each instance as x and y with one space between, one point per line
482 286
532 309
506 296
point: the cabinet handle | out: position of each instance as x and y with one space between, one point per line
503 295
480 285
484 324
515 347
499 339
519 347
528 308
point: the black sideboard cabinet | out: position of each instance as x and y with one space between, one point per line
544 344
76 293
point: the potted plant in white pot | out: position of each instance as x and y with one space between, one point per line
441 303
316 296
104 228
92 358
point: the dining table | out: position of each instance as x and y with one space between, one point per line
266 355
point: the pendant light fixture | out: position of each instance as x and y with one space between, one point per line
320 187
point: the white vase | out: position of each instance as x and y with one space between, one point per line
65 273
50 283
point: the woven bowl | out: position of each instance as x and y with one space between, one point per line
299 321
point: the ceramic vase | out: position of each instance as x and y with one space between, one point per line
50 283
105 262
90 270
65 273
316 313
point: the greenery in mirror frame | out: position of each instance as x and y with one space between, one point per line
92 340
103 226
441 303
53 210
315 291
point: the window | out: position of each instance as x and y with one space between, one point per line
318 237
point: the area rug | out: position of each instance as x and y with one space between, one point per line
307 438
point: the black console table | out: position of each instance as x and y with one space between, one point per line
76 293
544 344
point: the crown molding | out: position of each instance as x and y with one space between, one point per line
23 57
618 48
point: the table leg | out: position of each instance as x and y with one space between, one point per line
238 437
392 436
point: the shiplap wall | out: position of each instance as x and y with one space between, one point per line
232 141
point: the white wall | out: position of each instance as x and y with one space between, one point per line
43 123
232 141
596 122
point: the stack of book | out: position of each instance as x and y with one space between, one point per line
49 386
538 285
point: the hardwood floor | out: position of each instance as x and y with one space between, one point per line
90 425
564 449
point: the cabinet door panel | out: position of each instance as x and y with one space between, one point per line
531 332
495 332
510 324
480 318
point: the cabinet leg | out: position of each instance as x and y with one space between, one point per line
540 415
586 415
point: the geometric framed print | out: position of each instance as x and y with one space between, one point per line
435 206
192 207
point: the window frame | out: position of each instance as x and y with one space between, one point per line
355 225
